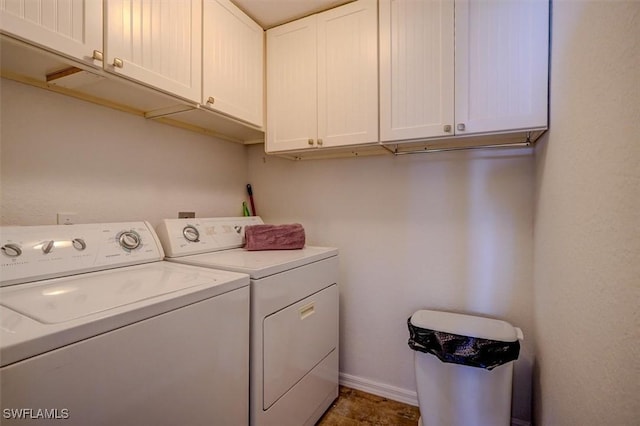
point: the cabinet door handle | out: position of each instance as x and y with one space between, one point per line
319 142
97 55
211 100
310 141
118 63
460 127
447 128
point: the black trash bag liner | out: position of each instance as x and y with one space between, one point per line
463 350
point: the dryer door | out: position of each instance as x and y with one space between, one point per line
296 339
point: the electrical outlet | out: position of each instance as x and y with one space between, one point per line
67 218
186 215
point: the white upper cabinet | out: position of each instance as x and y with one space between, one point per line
233 62
158 43
292 72
348 75
416 69
502 51
322 80
462 67
72 28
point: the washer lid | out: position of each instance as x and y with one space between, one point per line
70 298
45 315
259 264
465 325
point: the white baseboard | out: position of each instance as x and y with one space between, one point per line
380 389
394 393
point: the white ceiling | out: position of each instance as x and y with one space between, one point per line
270 13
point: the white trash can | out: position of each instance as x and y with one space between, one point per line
464 368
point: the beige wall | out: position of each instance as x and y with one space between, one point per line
446 231
60 154
587 220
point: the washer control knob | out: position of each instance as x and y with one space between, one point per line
47 246
11 250
129 240
191 234
79 244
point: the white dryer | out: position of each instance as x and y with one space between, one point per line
294 315
96 329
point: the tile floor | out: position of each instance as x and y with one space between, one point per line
354 407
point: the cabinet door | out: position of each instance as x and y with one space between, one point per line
72 28
157 43
348 74
291 86
501 65
233 62
416 69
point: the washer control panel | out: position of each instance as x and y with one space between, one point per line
182 237
30 253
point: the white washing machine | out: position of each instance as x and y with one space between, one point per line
96 329
294 315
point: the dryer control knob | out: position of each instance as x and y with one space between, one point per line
11 250
129 240
79 244
191 234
